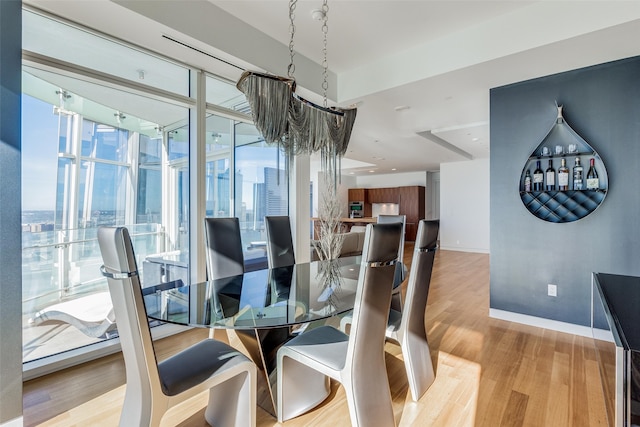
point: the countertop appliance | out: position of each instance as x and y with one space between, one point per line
356 209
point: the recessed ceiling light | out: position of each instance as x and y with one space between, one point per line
475 139
371 171
351 173
393 169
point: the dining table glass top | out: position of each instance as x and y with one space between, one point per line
267 298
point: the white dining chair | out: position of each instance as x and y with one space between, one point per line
306 363
407 328
396 298
153 387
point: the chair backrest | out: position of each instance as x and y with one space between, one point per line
223 247
279 241
386 219
373 295
121 271
420 277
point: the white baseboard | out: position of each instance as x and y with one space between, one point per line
16 422
554 325
461 249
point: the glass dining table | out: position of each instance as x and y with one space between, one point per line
261 307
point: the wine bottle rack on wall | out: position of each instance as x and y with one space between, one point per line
564 206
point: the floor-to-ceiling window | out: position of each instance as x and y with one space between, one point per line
87 165
107 141
97 151
245 176
261 189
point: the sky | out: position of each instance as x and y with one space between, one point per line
39 154
40 158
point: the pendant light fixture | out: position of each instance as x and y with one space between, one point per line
297 125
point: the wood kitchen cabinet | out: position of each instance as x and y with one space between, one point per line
383 195
358 195
410 202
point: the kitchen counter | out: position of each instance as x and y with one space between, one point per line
347 223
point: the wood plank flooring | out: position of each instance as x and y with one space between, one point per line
489 372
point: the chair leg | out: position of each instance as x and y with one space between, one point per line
370 401
139 409
299 388
418 364
219 411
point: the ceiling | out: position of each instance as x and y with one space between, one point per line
419 71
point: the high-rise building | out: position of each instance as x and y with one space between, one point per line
276 190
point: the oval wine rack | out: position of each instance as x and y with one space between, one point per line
564 206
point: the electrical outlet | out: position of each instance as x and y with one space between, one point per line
552 290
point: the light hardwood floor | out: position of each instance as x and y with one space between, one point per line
489 372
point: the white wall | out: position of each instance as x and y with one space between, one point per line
346 182
432 197
392 180
464 206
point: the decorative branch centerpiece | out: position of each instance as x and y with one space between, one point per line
330 240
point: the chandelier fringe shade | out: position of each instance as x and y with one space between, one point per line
299 126
313 128
268 98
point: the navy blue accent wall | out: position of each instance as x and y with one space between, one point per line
602 104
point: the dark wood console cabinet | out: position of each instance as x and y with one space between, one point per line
620 296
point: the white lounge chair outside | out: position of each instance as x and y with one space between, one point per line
91 314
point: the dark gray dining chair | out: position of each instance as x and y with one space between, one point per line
225 258
223 247
279 241
153 387
306 363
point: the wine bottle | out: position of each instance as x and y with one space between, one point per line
577 175
551 177
527 181
538 178
593 183
563 176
